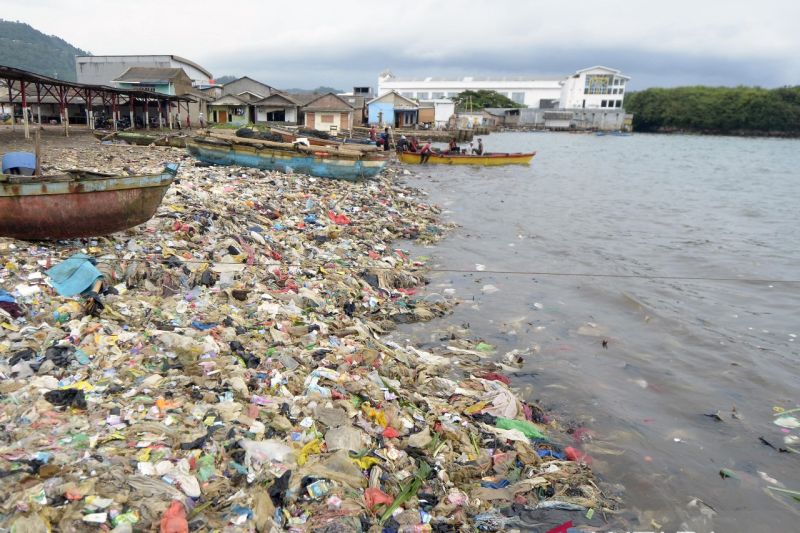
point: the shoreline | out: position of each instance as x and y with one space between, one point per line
239 367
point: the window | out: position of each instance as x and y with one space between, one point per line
451 95
436 96
407 94
518 97
326 119
621 91
619 103
586 91
603 103
423 95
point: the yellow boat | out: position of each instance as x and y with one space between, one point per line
488 159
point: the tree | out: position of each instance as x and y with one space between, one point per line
750 110
25 48
475 100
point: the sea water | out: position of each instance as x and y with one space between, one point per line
683 254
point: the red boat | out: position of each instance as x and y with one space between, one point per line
79 203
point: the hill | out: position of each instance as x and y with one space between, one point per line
26 48
319 90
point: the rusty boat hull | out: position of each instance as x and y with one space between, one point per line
79 204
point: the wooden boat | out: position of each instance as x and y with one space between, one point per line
322 161
357 144
79 203
176 140
488 159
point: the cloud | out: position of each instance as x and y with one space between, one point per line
349 42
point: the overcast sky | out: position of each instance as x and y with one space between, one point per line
344 43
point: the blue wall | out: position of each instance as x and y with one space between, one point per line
379 107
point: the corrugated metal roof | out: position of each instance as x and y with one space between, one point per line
328 102
140 74
173 56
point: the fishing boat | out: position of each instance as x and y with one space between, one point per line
78 203
176 140
335 162
362 145
488 159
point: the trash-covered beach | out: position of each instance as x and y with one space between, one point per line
224 367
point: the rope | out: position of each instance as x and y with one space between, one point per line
498 272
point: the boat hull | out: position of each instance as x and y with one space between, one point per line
323 165
143 139
413 158
44 210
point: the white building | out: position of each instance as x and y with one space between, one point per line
593 88
101 70
586 88
527 91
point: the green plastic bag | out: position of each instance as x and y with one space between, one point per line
528 429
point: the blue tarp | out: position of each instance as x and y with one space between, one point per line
75 275
6 297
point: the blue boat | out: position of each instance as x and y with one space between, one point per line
323 162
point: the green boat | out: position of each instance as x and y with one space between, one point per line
176 140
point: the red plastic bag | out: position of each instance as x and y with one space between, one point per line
341 220
577 455
174 519
562 528
494 376
374 496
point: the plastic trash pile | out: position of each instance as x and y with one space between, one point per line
223 368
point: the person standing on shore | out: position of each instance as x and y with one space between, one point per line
373 134
202 120
385 139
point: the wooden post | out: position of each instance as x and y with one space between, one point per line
11 103
37 152
24 110
86 110
39 105
114 110
146 113
65 110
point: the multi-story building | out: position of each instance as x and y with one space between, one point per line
587 88
102 70
593 88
